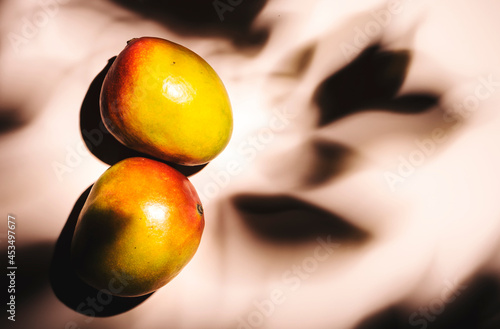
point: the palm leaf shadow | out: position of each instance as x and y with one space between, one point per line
371 80
284 219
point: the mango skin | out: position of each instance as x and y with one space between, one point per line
142 221
164 100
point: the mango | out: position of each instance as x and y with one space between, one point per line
141 224
162 99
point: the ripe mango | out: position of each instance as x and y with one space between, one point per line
164 100
143 221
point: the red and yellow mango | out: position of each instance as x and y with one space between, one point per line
142 220
164 100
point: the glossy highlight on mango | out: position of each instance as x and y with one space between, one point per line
164 100
142 223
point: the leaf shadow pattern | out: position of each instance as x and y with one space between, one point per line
232 20
284 219
12 119
474 306
26 279
314 162
70 289
100 141
371 80
34 258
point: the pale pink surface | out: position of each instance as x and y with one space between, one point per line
441 224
